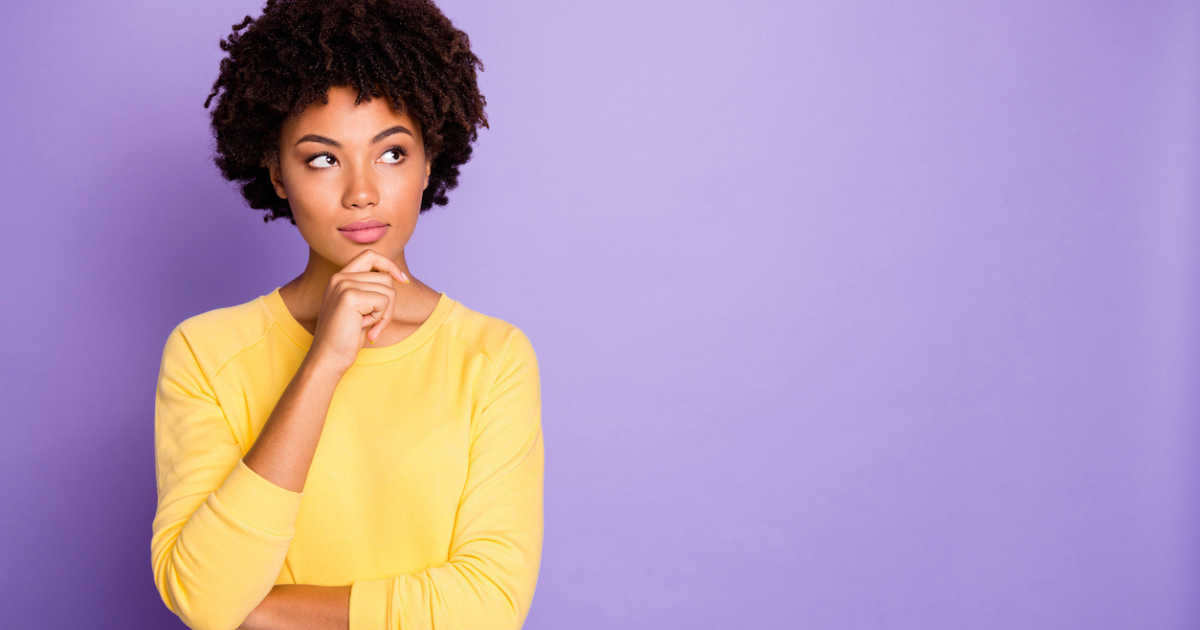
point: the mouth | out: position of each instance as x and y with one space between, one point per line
365 235
362 225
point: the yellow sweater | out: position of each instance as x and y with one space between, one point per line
425 491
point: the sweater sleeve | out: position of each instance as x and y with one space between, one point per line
221 531
496 549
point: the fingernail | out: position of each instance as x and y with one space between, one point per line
404 277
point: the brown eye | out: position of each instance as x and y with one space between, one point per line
392 156
322 161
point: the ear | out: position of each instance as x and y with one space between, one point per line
276 177
428 170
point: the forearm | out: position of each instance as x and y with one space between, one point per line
282 454
302 607
221 530
283 451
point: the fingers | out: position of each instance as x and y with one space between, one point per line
375 268
369 266
373 298
371 260
386 319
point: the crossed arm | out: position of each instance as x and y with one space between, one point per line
302 607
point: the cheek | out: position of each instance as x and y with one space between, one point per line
405 177
309 191
405 188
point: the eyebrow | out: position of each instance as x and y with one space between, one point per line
312 137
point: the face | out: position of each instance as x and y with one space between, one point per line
342 164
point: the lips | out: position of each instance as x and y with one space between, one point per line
361 225
368 235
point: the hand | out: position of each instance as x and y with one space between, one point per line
357 306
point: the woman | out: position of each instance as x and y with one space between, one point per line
353 449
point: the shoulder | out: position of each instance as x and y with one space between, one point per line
216 336
500 341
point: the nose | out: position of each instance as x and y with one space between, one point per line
361 191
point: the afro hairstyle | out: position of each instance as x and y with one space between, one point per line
297 50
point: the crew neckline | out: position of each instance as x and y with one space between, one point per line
366 355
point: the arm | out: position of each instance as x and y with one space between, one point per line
496 548
222 528
490 578
301 607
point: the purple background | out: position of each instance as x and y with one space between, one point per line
850 315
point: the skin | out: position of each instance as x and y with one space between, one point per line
356 184
349 293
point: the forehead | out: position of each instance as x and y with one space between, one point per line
342 119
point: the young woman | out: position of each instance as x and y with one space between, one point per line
353 449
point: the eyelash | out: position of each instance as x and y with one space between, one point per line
400 150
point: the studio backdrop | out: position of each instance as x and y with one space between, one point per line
849 314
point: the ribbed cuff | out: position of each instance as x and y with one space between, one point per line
369 604
258 502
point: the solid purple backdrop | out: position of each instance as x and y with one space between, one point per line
850 315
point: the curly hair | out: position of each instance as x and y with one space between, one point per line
297 50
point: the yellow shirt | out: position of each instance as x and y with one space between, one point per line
425 491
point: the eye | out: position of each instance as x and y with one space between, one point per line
323 160
393 155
